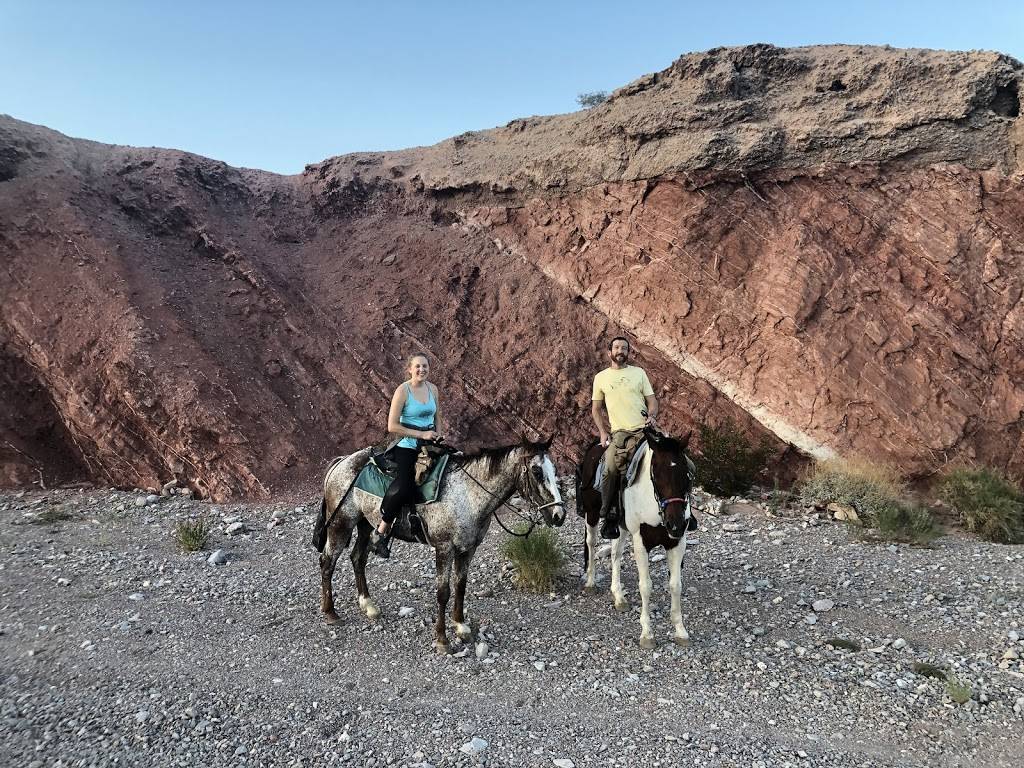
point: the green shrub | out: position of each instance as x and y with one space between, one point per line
778 499
729 464
591 99
958 691
907 522
877 494
538 558
191 535
869 488
988 503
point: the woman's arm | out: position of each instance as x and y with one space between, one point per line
437 412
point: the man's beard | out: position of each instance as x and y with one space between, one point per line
620 358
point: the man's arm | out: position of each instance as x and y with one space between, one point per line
649 399
597 410
652 409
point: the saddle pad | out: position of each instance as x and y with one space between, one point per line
634 463
374 482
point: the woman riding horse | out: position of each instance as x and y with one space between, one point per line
414 418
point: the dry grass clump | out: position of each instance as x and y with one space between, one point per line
52 515
538 559
988 503
876 492
958 691
192 534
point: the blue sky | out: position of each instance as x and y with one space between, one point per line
279 85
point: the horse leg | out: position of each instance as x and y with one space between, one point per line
443 565
590 557
358 557
461 573
618 594
644 573
328 560
675 567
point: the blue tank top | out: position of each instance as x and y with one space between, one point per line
416 414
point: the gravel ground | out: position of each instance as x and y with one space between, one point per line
118 649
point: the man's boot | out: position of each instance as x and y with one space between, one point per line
609 511
610 528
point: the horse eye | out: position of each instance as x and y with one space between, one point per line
538 473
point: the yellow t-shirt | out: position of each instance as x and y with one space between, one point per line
623 391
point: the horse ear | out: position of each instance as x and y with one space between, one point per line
685 439
547 441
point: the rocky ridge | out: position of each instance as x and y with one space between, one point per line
822 244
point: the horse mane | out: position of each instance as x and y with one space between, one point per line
494 456
666 442
673 444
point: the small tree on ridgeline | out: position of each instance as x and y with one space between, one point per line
591 99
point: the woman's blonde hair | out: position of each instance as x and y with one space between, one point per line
410 358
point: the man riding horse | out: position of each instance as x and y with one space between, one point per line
623 403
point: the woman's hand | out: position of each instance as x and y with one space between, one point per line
431 435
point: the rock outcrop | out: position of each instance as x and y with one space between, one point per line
822 244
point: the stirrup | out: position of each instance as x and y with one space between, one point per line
610 528
381 544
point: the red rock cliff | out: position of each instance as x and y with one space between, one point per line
823 244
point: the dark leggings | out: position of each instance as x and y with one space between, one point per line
402 490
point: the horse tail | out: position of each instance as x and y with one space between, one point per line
320 526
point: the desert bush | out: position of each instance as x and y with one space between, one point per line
729 463
878 495
192 534
868 488
958 691
538 559
988 503
907 521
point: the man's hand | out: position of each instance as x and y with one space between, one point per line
605 439
651 421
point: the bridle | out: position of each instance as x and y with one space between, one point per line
517 511
663 503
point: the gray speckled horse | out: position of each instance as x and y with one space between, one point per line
475 487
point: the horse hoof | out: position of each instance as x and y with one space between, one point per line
621 604
442 649
464 631
332 618
683 642
367 606
648 644
590 589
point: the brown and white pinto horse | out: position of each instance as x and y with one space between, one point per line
474 488
657 514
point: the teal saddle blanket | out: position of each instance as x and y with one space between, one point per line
373 480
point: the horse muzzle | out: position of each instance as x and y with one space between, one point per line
551 517
675 524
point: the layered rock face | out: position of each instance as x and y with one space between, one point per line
823 245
